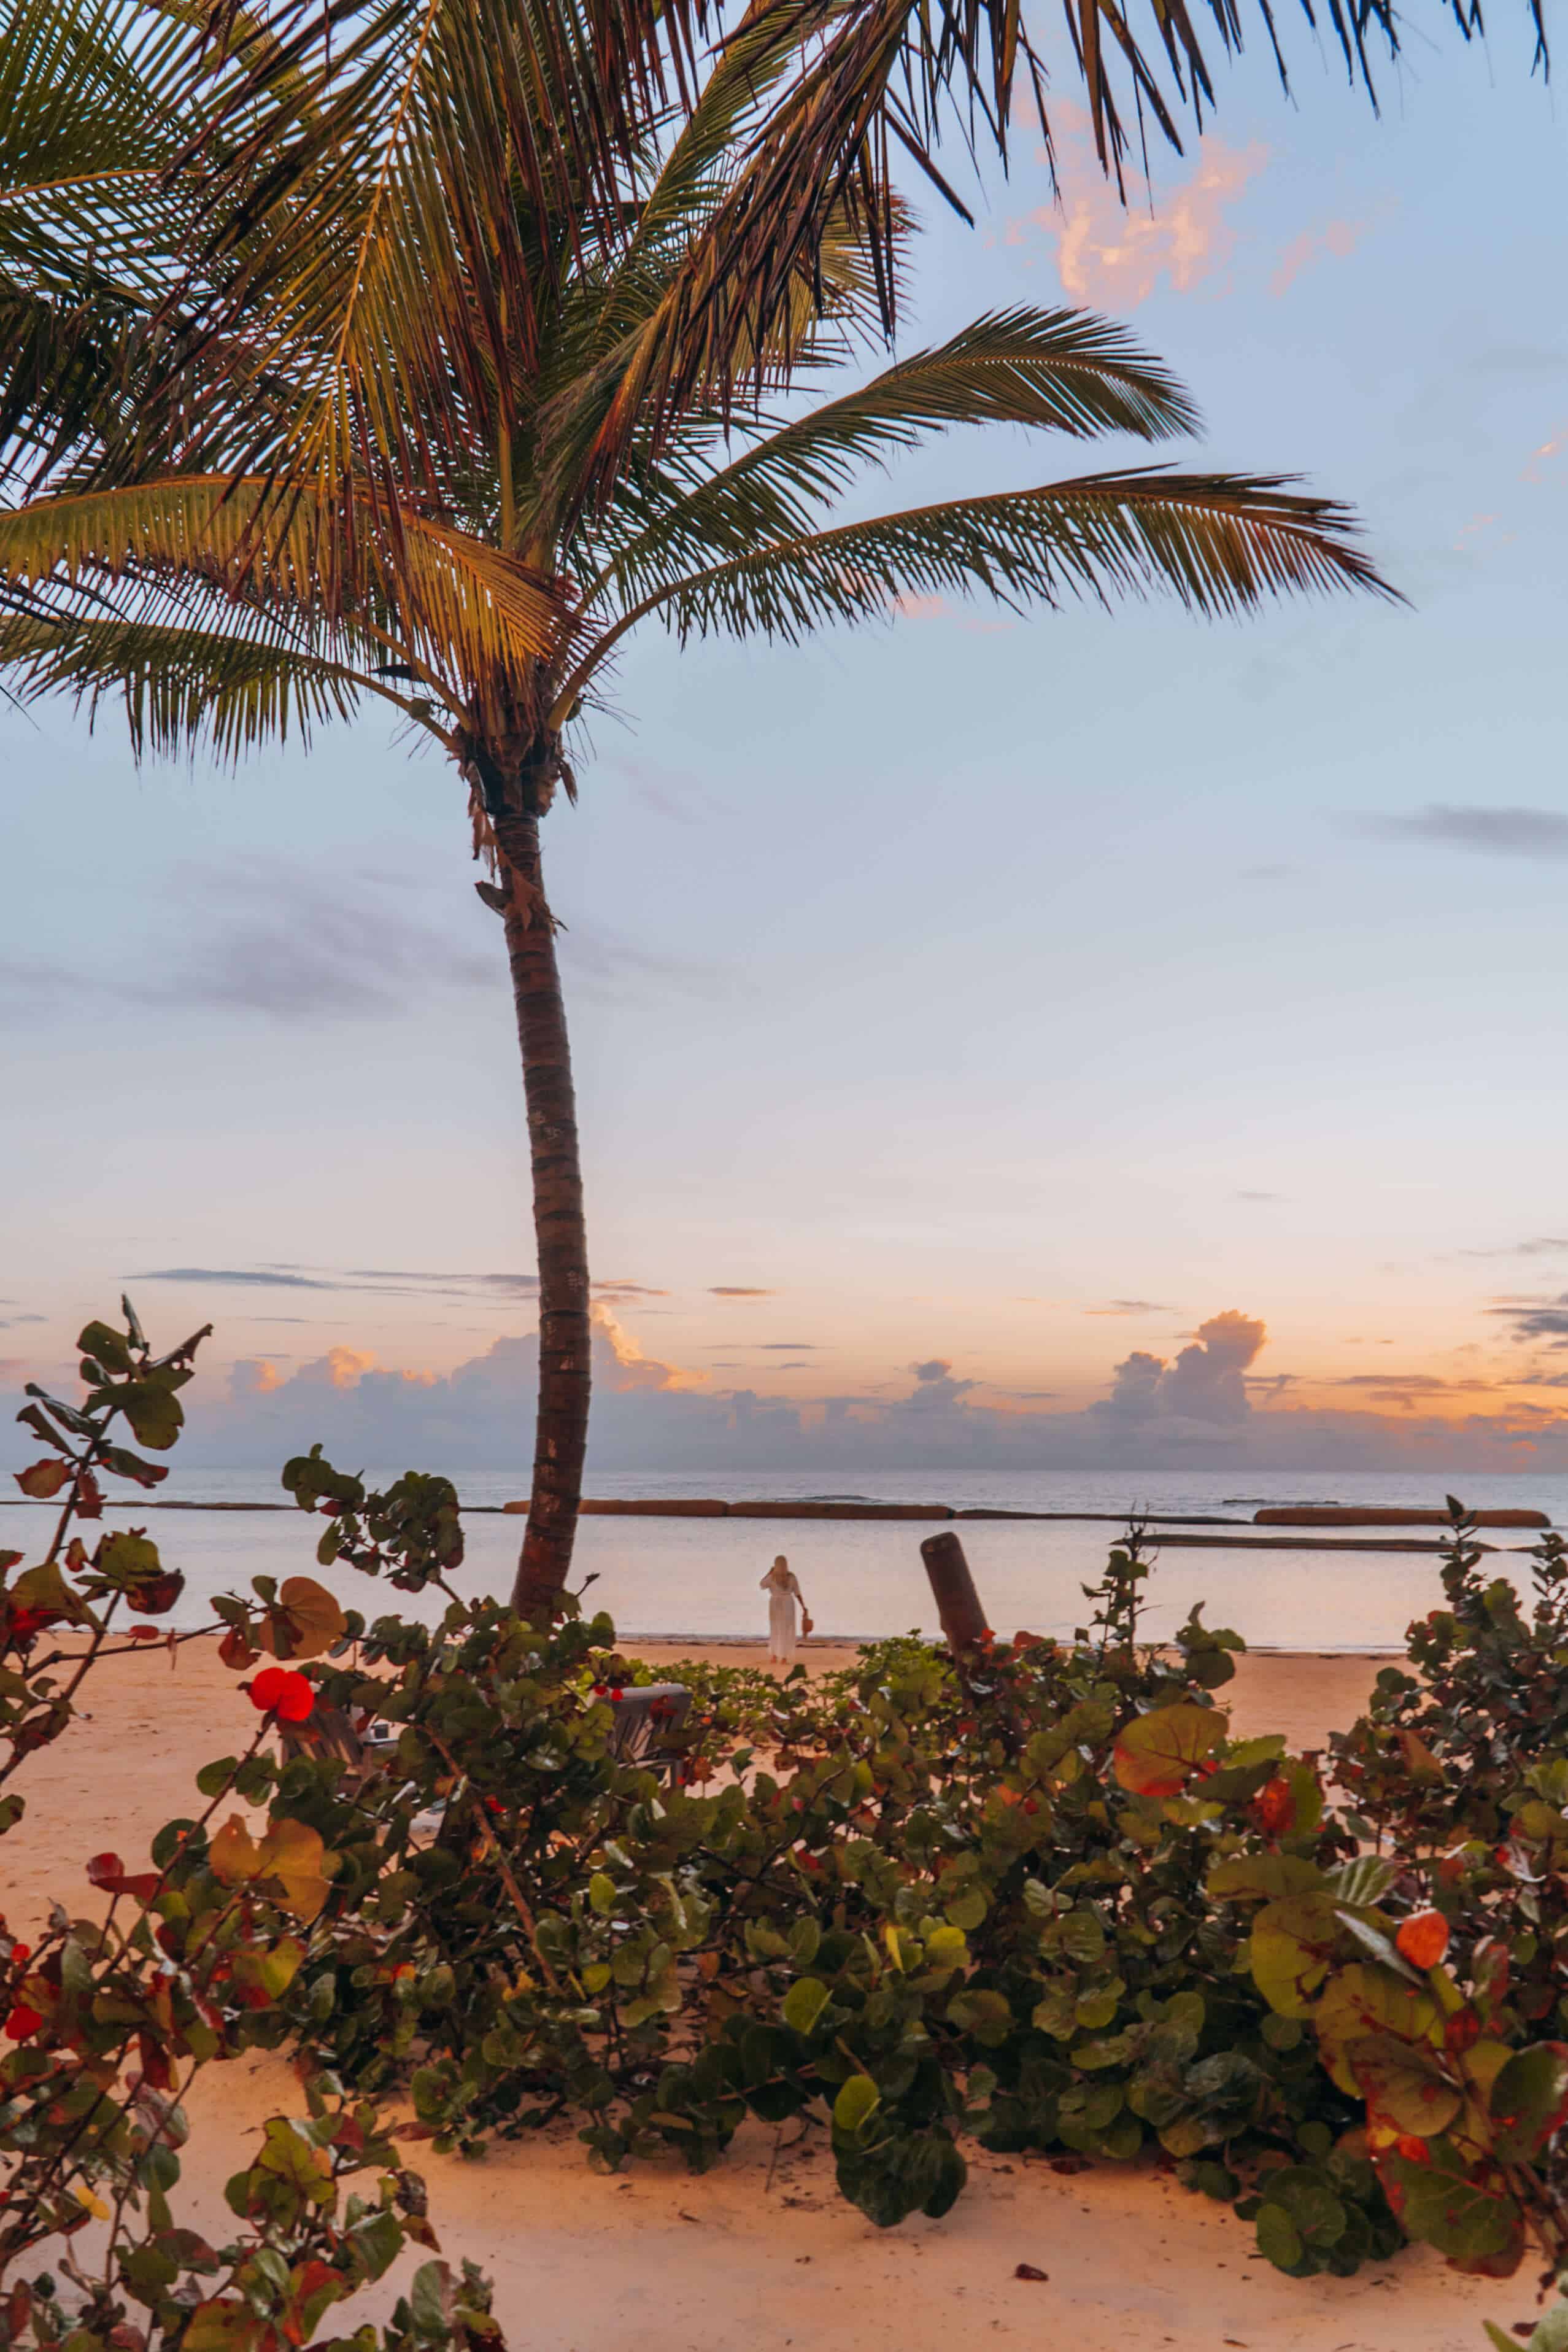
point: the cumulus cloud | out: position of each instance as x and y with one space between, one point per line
1113 256
1207 1407
1205 1386
1494 832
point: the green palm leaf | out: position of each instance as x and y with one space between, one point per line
183 690
1219 542
1058 371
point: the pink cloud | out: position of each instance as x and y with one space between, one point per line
1114 257
1335 238
1551 447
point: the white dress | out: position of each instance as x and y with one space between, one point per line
782 1593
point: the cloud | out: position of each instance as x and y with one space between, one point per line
1539 1245
1208 1408
1535 1318
1540 459
1129 1307
1334 239
1261 1196
15 1322
382 1282
1205 1386
1495 832
273 938
737 1290
1114 257
788 1346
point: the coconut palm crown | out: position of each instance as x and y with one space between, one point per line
376 482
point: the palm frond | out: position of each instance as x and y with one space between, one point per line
468 610
1220 543
183 684
1057 370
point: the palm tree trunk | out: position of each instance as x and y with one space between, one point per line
562 1433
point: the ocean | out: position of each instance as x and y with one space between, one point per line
699 1578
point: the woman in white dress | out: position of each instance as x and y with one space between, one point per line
782 1594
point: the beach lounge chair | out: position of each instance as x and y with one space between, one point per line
647 1719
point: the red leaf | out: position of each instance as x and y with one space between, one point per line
156 1595
43 1480
155 2067
107 1870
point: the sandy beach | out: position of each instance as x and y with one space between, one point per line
763 2251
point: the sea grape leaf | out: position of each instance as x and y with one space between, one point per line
857 2102
1266 1877
304 1622
1403 2085
105 1345
154 1413
1530 2101
1156 1754
42 1481
1364 2002
1291 1945
804 2003
1279 2238
1467 2214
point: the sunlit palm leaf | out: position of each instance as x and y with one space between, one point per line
467 607
183 687
1059 370
1220 543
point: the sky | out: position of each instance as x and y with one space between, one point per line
976 1021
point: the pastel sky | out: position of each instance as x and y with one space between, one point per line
1014 997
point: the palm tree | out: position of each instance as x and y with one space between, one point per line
453 442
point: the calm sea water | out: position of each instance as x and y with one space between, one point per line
700 1577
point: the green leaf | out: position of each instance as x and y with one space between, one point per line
106 1345
858 2100
967 1910
1292 1942
1268 1877
1469 2216
1278 2239
155 1415
1530 2101
1156 1754
803 2004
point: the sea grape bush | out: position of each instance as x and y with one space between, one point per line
1432 1968
1035 1897
109 2018
924 1905
1038 1898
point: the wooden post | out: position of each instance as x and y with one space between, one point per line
957 1602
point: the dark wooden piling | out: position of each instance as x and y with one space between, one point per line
952 1589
